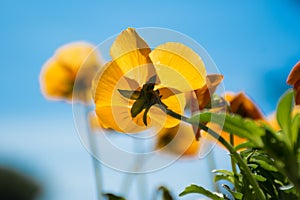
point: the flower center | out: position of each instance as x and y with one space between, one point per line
144 99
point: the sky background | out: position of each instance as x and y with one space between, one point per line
253 43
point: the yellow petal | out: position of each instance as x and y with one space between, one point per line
178 140
105 83
176 103
119 119
178 66
77 54
112 109
129 51
56 81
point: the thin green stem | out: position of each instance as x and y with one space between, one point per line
242 165
233 164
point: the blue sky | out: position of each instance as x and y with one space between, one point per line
254 44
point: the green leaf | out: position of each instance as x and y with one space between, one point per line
245 145
166 193
283 113
236 195
111 196
152 80
130 94
221 177
264 164
138 106
252 166
295 128
244 128
259 177
200 190
222 171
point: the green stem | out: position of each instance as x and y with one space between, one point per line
228 146
233 164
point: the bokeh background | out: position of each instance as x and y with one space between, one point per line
254 44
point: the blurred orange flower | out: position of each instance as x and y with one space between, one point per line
59 73
178 140
242 105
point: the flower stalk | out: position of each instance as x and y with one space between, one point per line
150 97
228 146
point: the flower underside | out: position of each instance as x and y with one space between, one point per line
144 98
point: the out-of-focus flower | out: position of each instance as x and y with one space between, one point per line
178 140
134 88
242 105
294 80
59 73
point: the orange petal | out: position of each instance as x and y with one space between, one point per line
294 75
204 94
242 105
178 66
129 51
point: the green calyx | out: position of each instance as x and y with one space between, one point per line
144 99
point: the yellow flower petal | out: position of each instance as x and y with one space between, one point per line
56 81
178 140
119 119
105 83
113 110
129 51
59 75
174 60
176 103
77 54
